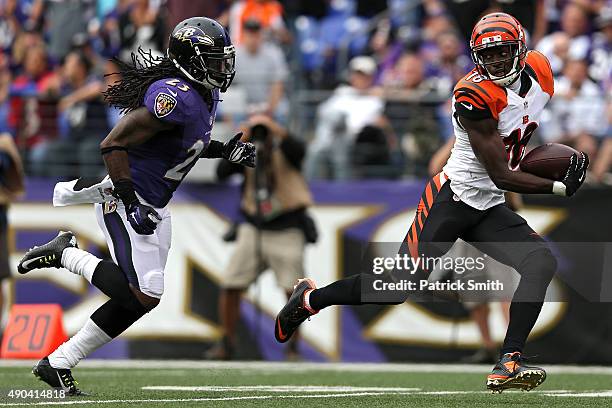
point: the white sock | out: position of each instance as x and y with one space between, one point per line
80 262
87 340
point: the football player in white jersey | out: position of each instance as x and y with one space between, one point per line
496 108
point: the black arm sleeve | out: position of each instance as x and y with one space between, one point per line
226 169
214 150
294 151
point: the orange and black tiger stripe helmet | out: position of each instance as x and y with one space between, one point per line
494 30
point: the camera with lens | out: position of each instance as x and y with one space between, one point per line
259 133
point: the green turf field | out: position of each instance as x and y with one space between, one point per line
197 384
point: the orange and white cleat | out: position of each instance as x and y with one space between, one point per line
510 372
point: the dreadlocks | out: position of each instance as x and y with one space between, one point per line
128 93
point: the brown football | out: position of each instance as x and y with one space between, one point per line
548 161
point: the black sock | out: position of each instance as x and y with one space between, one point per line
110 279
348 291
523 316
537 270
113 318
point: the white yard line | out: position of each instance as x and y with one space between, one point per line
596 394
277 388
302 367
98 372
254 397
549 393
347 389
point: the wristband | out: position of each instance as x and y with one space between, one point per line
106 150
124 189
214 150
559 188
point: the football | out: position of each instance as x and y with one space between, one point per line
548 161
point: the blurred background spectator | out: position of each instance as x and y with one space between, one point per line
81 123
65 19
574 116
5 84
261 74
413 107
142 25
341 118
449 62
531 14
276 226
268 13
181 10
604 158
11 187
571 41
600 69
32 116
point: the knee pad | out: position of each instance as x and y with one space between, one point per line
151 289
152 284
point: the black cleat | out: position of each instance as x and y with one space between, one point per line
510 372
294 312
57 378
48 255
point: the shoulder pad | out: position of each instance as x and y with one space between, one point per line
538 67
477 98
170 100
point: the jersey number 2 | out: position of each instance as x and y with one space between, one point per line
178 172
516 142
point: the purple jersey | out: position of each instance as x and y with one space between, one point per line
159 165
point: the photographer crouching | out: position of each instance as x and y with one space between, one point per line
276 225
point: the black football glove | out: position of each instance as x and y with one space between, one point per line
576 173
142 218
239 152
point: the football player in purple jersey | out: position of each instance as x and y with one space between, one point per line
170 104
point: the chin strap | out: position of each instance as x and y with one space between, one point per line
505 81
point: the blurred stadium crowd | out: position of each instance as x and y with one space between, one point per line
366 83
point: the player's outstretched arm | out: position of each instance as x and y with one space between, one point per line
235 151
490 150
133 129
